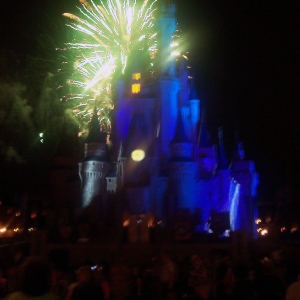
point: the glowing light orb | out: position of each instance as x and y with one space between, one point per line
2 230
138 155
264 232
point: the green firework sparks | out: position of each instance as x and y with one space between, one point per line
105 35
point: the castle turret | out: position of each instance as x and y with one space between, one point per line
223 175
194 105
169 84
222 159
168 111
167 29
95 166
206 155
183 75
238 151
243 171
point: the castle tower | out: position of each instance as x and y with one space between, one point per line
169 84
182 171
183 75
194 107
223 175
171 163
168 111
243 171
95 165
167 29
206 155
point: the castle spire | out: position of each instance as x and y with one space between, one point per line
193 91
95 134
238 151
168 26
203 137
180 136
222 160
183 75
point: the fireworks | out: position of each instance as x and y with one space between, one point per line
105 36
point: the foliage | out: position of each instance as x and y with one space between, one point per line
32 120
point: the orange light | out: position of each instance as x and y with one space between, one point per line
264 232
126 223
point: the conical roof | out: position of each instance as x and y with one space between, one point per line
238 150
222 159
204 137
95 134
180 136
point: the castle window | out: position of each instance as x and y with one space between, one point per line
136 88
136 76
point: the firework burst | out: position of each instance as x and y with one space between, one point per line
106 34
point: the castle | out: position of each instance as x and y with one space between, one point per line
165 166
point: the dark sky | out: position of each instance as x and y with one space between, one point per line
246 59
245 56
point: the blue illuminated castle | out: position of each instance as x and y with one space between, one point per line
164 164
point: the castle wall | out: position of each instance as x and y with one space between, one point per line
182 183
168 112
171 180
129 106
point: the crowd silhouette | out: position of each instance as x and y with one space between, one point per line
211 276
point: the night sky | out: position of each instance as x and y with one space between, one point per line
245 58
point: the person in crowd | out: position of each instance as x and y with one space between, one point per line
293 291
166 275
224 280
199 279
119 277
67 280
243 287
61 274
268 284
184 266
136 282
101 278
86 287
3 284
35 281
